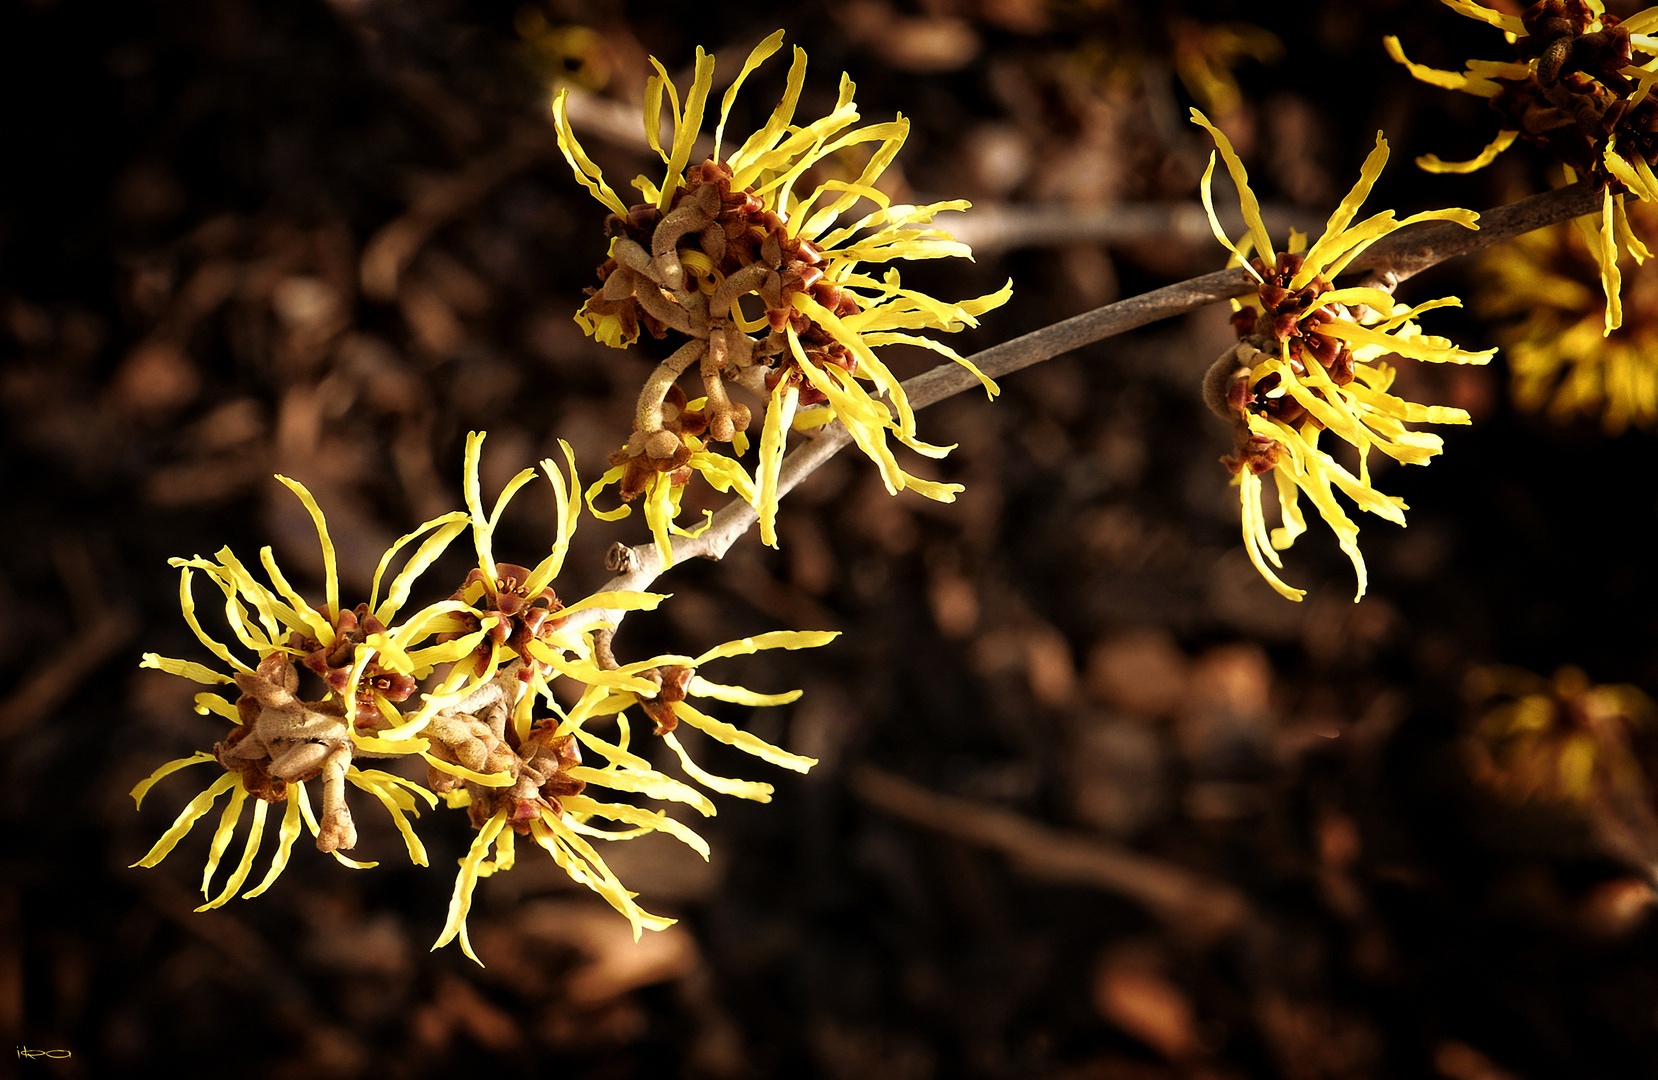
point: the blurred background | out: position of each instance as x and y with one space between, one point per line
1094 803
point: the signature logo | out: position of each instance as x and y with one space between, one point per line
25 1052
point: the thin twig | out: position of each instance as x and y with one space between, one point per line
1404 254
998 226
1200 907
1411 251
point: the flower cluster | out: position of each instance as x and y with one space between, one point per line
1559 360
1308 359
1579 87
494 739
771 288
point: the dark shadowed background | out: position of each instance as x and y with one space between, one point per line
1093 802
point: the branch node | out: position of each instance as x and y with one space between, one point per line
619 559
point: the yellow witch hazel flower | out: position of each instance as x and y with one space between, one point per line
772 287
1558 359
1307 360
504 632
673 679
495 739
1580 87
518 773
550 794
280 742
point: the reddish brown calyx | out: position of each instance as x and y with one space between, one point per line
377 682
1570 119
1576 104
626 311
519 616
1283 307
793 266
663 451
671 682
1558 37
1287 324
1261 400
821 348
543 776
539 766
334 663
1257 453
255 772
638 471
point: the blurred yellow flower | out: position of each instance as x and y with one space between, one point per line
1557 355
1307 360
1205 55
1562 739
566 53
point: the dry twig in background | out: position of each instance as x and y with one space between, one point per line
1197 907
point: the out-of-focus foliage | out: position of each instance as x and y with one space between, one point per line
1541 287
